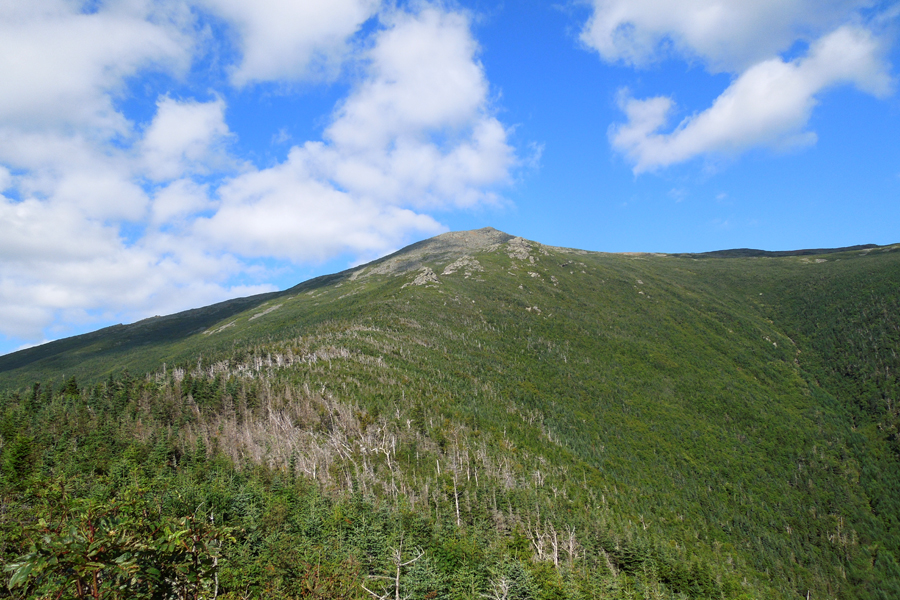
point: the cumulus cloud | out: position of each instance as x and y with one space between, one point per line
63 70
60 64
415 133
61 267
59 263
770 100
185 137
178 200
727 35
769 104
73 169
290 40
78 238
284 212
419 128
6 179
422 75
104 216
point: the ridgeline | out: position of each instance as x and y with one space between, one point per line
476 415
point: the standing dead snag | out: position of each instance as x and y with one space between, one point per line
536 536
499 589
554 542
456 500
571 544
399 563
548 543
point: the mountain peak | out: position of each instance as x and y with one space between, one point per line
446 246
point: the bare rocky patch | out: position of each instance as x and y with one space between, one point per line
467 264
519 249
448 246
425 277
219 329
265 312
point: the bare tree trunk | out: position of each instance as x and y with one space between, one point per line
571 544
456 499
554 541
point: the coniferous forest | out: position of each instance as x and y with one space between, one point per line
475 416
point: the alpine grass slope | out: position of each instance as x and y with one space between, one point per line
474 416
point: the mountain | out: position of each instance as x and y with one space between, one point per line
146 344
482 415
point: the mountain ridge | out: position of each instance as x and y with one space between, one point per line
191 321
694 427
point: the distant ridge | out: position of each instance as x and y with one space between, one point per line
146 331
751 252
189 322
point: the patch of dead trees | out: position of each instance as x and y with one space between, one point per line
549 543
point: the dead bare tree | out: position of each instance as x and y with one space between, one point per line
456 499
571 544
536 536
399 563
554 543
499 590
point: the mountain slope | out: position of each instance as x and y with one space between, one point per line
146 344
700 426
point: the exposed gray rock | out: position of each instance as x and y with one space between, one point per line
447 246
265 312
220 329
519 248
426 276
467 264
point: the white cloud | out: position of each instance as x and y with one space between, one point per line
178 200
107 218
770 99
60 265
769 104
185 137
416 132
419 129
63 68
727 35
422 75
33 231
58 64
74 170
285 213
6 179
290 40
102 192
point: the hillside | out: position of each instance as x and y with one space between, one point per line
513 420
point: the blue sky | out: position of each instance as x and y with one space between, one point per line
158 155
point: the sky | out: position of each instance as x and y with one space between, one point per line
160 155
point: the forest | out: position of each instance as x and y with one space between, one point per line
476 416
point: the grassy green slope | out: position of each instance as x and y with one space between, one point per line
735 410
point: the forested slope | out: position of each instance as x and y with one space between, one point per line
510 419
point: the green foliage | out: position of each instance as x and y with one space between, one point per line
573 426
18 459
115 548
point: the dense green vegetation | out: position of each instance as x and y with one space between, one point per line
541 423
